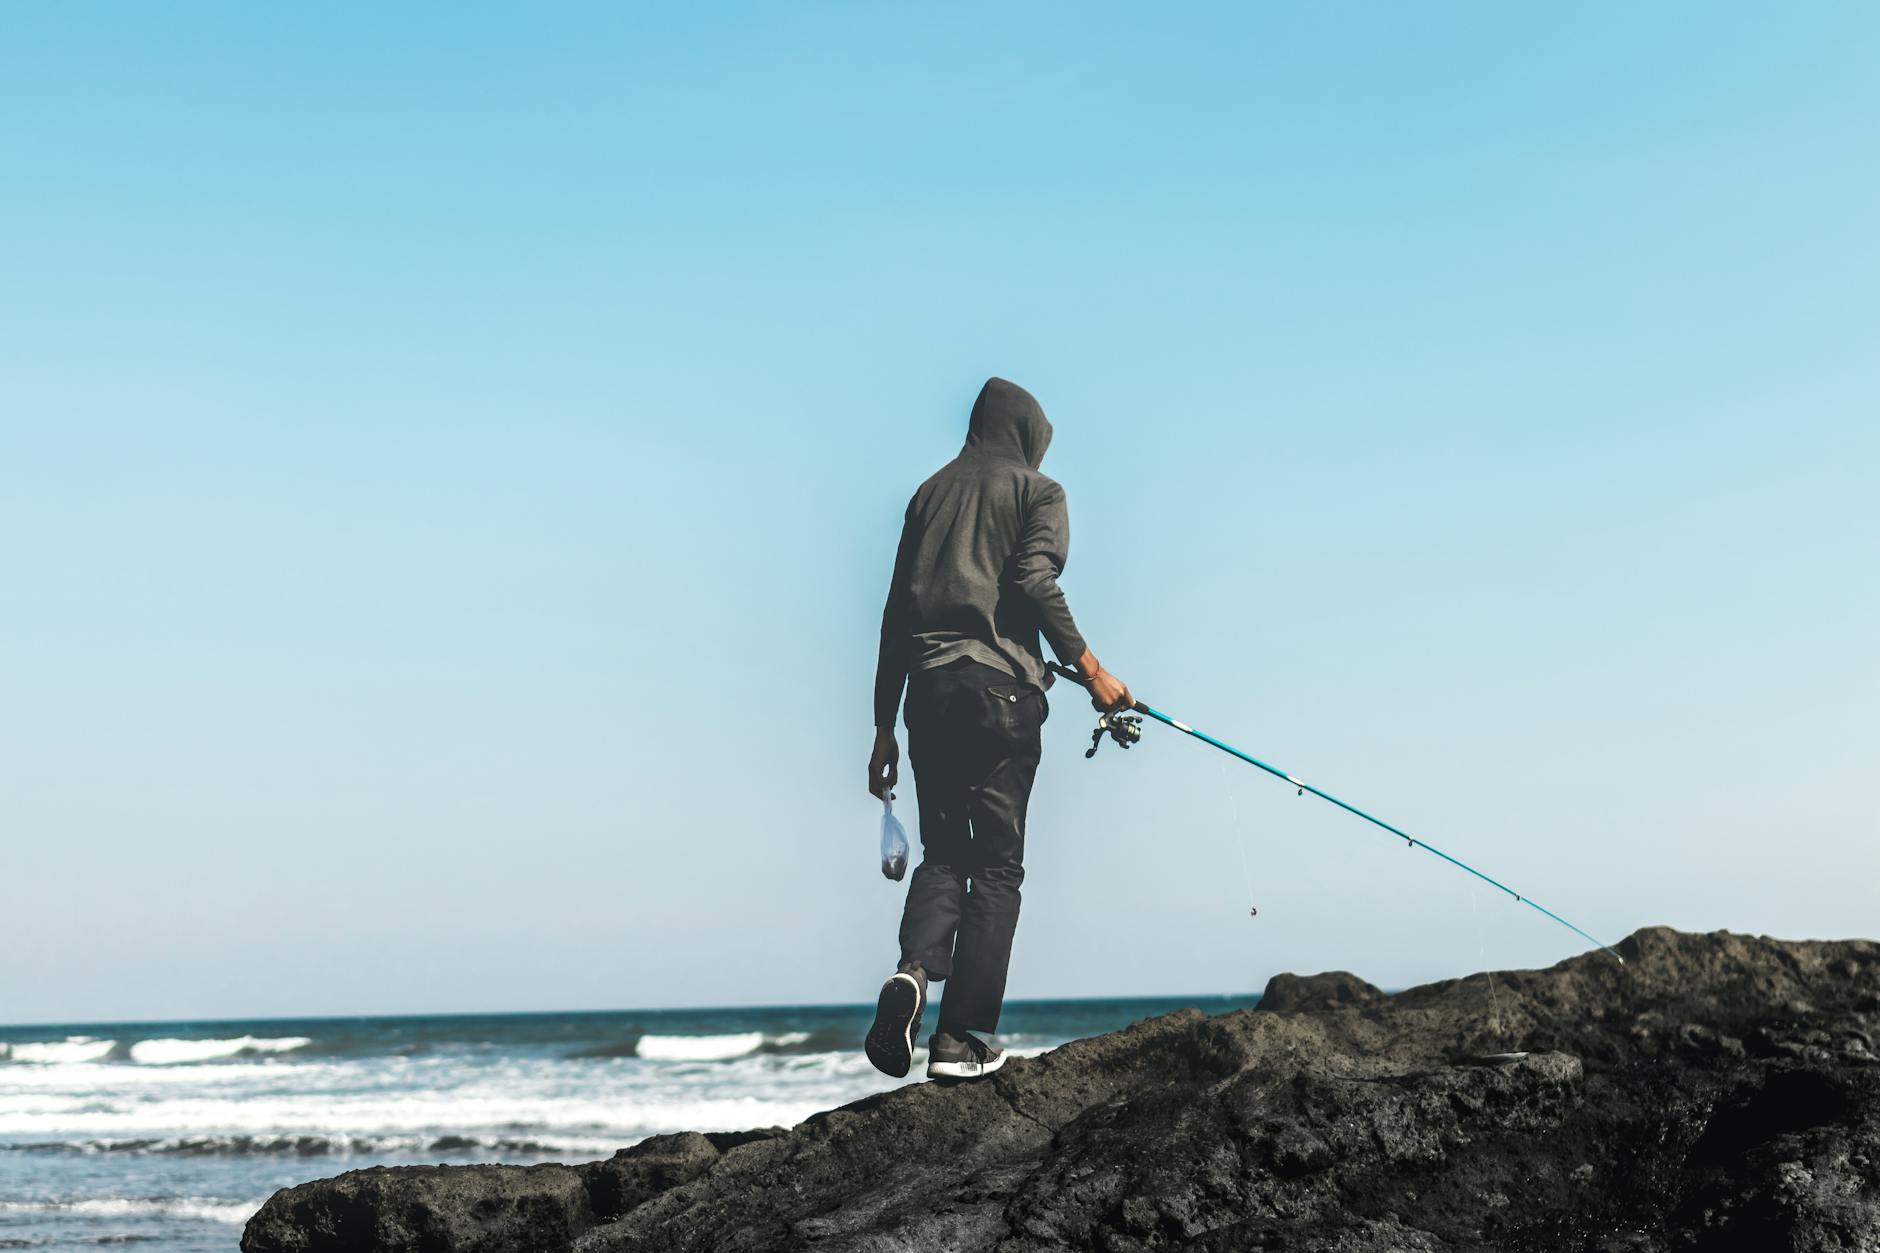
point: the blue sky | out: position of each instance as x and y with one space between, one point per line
451 456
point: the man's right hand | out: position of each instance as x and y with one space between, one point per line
1107 692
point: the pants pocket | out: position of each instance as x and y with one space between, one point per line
1016 709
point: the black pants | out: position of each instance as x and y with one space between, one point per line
972 735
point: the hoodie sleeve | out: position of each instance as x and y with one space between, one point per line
896 640
1044 543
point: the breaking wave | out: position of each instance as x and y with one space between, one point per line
729 1046
233 1212
80 1050
544 1109
175 1052
71 1050
335 1145
699 1048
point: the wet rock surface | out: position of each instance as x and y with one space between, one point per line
1717 1092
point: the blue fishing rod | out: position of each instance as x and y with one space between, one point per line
1127 730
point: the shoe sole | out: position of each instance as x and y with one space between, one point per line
890 1042
964 1070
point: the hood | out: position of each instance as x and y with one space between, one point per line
1008 422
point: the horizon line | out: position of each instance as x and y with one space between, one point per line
594 1013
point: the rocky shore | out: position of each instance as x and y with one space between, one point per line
1715 1092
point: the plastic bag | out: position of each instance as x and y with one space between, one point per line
893 841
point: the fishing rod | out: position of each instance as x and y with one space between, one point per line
1127 730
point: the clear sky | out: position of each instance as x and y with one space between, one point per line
450 458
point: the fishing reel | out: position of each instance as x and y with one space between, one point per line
1125 729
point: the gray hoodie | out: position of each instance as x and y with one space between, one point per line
982 546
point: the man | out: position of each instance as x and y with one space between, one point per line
975 581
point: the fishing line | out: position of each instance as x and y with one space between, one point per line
1481 957
1127 730
1240 839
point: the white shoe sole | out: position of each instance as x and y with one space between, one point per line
964 1070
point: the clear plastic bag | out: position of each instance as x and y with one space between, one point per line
893 841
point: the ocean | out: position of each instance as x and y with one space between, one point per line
168 1136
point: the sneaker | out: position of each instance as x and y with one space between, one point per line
961 1057
890 1042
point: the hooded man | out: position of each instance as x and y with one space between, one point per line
975 582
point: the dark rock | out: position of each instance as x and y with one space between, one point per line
475 1209
482 1209
1335 989
1716 1092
